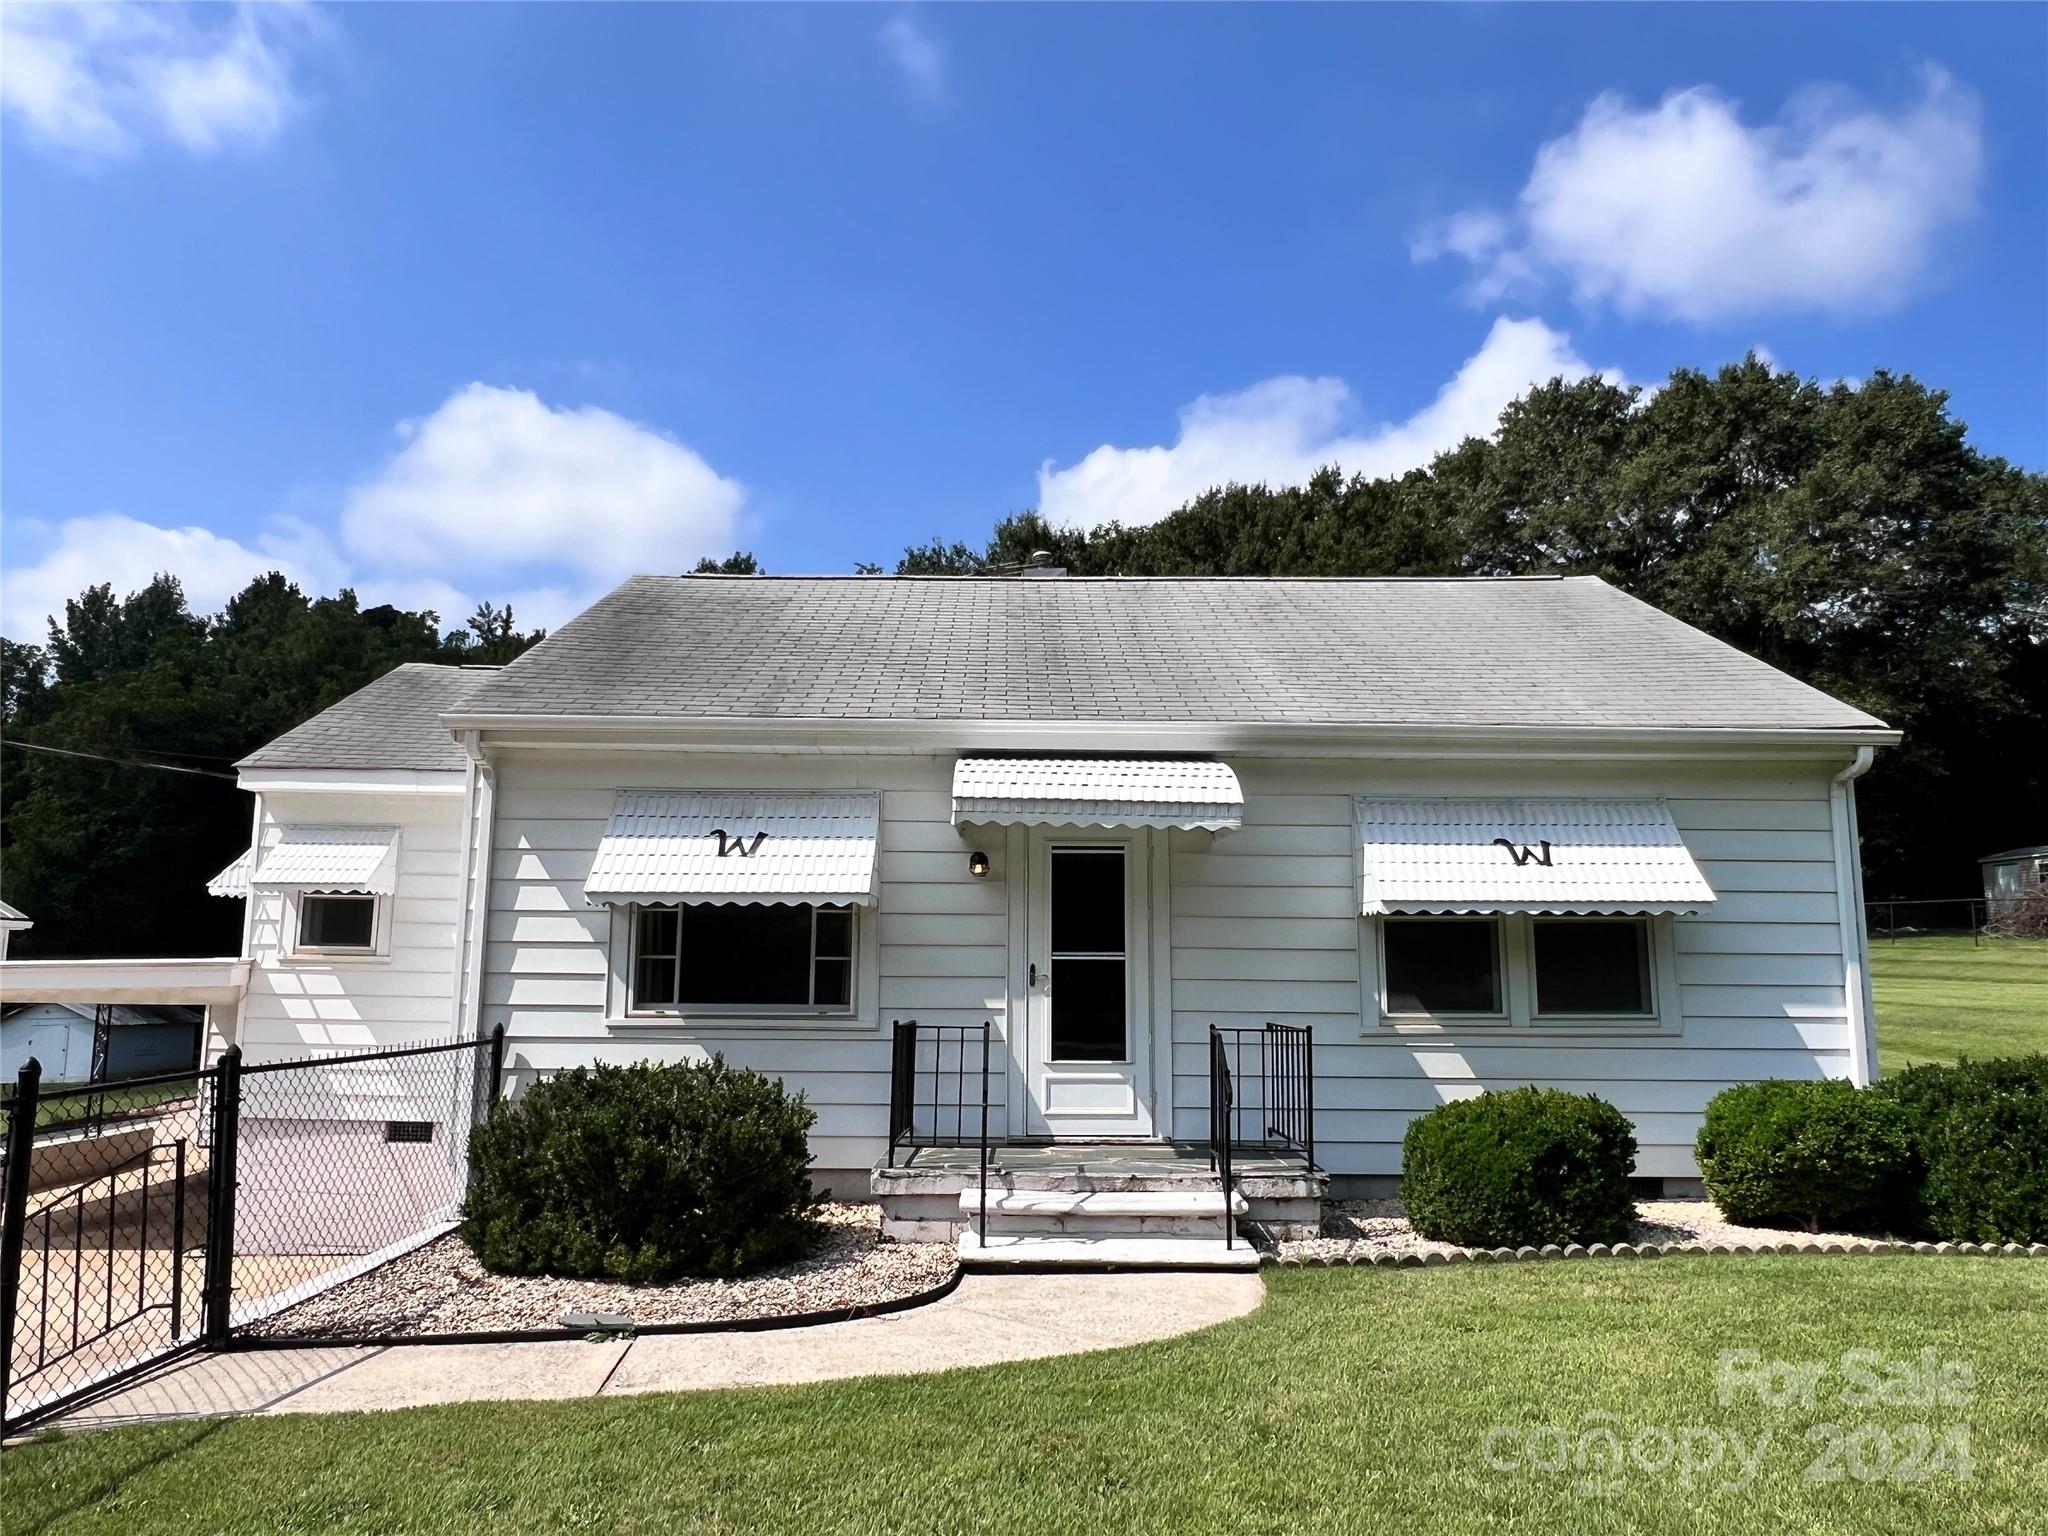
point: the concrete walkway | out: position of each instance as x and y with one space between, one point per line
989 1319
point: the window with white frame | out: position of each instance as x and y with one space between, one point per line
780 958
1590 967
1438 966
336 924
1518 969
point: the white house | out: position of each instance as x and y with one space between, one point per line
1458 834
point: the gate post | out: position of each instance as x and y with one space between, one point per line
497 1065
21 1140
218 1294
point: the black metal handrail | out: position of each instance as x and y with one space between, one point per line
1272 1073
918 1083
1221 1114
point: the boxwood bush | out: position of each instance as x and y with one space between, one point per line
1979 1148
1525 1167
643 1173
1818 1155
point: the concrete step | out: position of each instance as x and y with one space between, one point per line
1103 1202
1031 1251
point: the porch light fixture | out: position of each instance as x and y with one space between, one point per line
977 864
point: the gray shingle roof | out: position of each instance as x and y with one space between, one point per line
393 723
1547 652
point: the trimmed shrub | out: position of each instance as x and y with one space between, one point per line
1979 1133
1528 1166
1820 1155
642 1173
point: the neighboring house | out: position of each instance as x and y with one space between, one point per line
60 1037
1469 833
12 921
2010 875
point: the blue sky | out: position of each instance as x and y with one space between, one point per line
462 302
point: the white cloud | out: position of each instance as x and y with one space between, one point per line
82 552
1281 431
496 495
916 55
102 80
1682 210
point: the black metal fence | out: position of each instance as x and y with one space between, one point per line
215 1199
1272 1081
1980 917
938 1078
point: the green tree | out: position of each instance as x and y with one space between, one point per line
108 856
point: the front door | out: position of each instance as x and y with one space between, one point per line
1088 1047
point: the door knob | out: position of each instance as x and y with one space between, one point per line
1033 981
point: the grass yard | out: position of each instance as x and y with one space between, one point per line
1938 998
65 1105
1353 1401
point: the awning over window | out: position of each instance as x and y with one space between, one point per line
1097 792
1557 856
357 860
234 880
664 846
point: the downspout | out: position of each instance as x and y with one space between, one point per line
248 950
466 866
478 916
1855 938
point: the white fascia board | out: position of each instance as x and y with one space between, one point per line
87 982
357 781
1273 740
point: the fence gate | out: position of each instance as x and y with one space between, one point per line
152 1215
109 1195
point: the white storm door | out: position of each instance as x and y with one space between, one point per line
1089 1048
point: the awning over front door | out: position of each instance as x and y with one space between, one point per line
358 860
665 846
1545 856
1097 792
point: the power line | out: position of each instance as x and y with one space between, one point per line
120 762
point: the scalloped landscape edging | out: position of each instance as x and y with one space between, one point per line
1833 1249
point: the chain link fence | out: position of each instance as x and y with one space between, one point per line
144 1218
1979 917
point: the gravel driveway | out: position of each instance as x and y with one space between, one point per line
441 1288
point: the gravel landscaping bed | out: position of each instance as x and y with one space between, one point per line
441 1288
1359 1229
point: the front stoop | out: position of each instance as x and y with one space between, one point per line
1021 1251
923 1200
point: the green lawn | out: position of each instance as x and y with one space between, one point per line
1939 997
67 1106
1353 1401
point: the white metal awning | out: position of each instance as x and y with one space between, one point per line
735 848
1555 856
234 880
1097 792
358 860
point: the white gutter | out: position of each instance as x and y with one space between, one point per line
353 781
1282 738
1849 904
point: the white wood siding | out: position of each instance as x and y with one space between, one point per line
405 997
1265 927
937 939
1263 923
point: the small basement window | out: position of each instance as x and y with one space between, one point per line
738 957
338 922
1592 967
1442 965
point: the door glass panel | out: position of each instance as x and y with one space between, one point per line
1088 1021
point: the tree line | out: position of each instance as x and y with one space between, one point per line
117 792
1849 534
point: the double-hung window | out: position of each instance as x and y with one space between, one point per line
781 958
